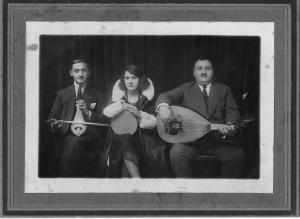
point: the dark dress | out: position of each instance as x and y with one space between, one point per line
144 148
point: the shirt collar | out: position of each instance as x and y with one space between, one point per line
82 86
207 87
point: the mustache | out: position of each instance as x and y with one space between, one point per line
203 74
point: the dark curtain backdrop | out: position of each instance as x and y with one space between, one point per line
167 60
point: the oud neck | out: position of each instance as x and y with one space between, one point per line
217 126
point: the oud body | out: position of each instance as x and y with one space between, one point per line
185 126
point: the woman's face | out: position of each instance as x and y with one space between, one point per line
131 81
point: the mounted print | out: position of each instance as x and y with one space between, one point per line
148 108
170 42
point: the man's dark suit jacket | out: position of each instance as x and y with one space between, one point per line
63 109
222 106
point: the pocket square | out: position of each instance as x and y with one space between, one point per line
93 105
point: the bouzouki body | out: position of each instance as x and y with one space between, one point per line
77 128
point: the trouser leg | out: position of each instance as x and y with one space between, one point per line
181 156
232 158
71 162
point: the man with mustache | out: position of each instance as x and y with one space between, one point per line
216 103
74 151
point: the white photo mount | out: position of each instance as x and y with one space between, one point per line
263 30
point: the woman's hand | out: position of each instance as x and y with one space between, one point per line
133 110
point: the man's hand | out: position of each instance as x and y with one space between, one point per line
226 129
56 124
164 113
133 110
82 106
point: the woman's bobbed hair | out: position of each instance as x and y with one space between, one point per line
138 72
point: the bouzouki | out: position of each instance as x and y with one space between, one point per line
187 126
123 123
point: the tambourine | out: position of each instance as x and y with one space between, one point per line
124 123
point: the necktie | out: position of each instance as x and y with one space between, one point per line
79 94
205 95
78 97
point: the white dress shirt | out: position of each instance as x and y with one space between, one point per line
207 88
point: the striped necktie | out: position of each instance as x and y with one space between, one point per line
205 95
79 94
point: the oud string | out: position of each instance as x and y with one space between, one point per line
186 121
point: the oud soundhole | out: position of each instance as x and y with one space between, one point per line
173 127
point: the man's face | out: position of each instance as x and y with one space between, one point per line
203 72
80 73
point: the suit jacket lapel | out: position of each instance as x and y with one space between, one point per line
213 99
199 99
71 101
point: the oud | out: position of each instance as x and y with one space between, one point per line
187 126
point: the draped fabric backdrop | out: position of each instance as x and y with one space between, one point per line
167 60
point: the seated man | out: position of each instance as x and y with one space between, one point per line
216 103
80 100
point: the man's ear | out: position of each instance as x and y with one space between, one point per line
194 73
71 73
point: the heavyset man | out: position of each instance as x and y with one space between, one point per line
216 103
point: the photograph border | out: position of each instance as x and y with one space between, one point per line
23 207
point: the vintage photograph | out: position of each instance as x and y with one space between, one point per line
174 108
136 74
120 102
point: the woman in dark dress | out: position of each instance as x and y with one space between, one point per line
141 154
